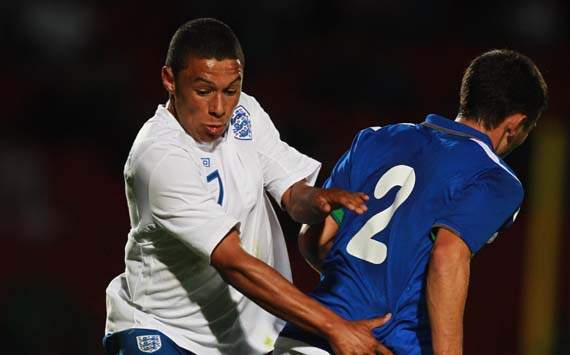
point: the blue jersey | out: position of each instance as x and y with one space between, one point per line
419 177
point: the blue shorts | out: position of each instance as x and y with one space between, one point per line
139 341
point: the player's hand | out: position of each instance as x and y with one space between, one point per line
310 205
329 199
355 338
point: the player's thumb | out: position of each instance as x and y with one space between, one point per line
324 206
379 321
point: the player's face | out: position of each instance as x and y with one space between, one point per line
205 94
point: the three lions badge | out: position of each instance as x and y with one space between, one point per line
241 123
149 343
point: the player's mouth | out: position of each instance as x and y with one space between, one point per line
215 130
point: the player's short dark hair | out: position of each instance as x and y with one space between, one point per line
204 38
500 83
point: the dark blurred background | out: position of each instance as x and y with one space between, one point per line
79 78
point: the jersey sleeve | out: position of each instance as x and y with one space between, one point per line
484 206
181 204
282 164
340 176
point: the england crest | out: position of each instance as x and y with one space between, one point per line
149 343
241 123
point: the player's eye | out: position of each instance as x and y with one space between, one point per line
231 91
203 92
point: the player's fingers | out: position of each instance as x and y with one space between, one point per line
354 202
382 350
360 197
379 321
361 209
357 195
353 207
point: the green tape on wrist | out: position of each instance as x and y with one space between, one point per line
338 215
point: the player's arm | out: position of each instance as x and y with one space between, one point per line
310 205
315 241
447 284
273 292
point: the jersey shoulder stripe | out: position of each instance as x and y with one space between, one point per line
494 158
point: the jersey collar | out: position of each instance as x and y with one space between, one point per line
459 129
170 120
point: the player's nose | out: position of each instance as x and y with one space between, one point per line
216 106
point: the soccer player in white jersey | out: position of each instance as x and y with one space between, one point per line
207 270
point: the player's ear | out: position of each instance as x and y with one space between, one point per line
514 122
168 79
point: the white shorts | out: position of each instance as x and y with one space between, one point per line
288 346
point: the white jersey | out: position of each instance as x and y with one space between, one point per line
183 198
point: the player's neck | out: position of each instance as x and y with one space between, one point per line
495 135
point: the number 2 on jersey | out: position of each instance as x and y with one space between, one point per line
361 245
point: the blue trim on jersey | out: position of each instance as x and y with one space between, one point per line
459 129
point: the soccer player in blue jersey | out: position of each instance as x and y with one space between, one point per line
439 191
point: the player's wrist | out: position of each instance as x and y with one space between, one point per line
332 327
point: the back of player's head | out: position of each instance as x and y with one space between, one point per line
500 83
204 38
